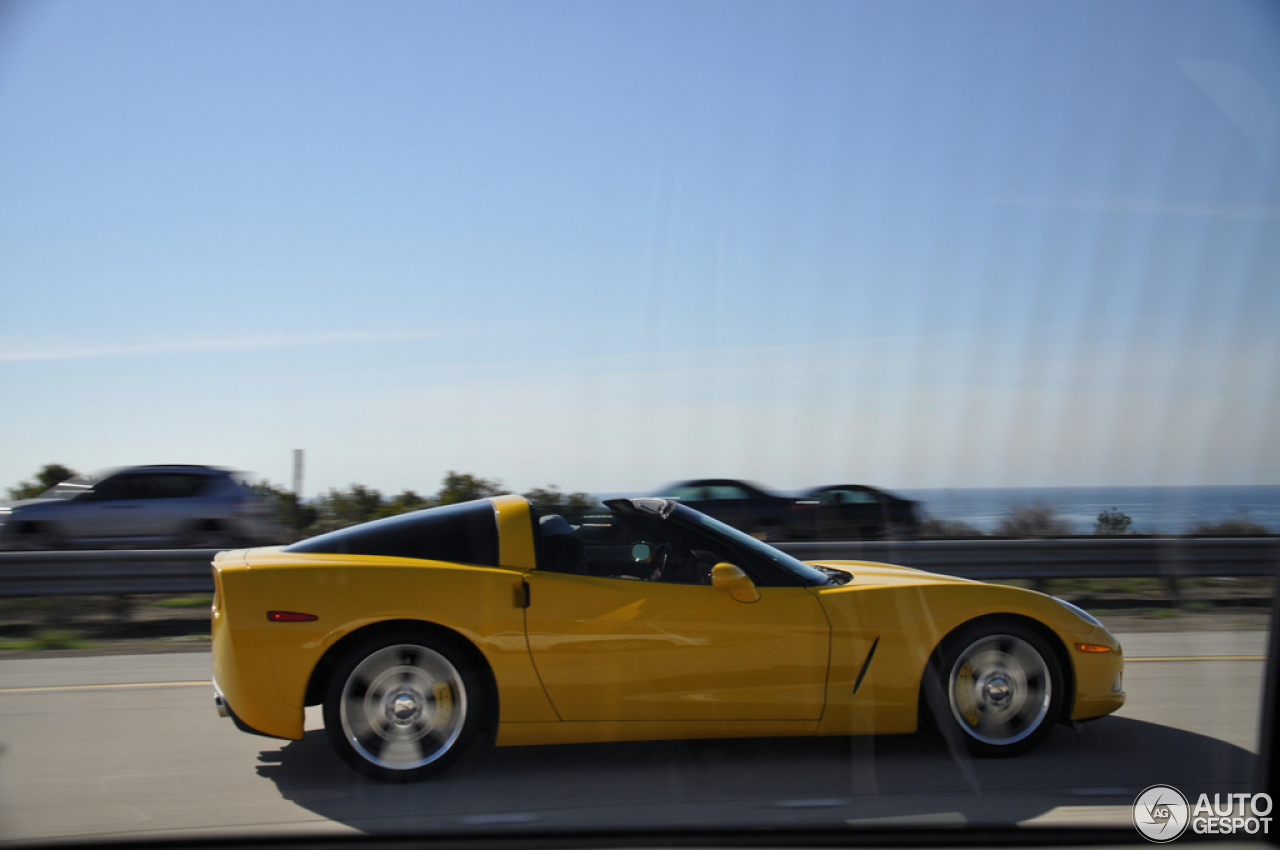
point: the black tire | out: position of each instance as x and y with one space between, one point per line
37 537
402 707
995 688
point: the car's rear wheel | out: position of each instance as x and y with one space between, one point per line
997 689
401 708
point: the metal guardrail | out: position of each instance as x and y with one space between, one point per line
1080 557
118 572
109 572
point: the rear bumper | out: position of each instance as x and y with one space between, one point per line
224 710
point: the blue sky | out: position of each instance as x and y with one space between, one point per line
609 245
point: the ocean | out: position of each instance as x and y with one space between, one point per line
1154 510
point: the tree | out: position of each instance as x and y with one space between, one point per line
340 508
1034 520
463 487
49 475
551 497
1113 522
403 504
947 528
290 511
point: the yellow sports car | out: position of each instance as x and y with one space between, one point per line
645 620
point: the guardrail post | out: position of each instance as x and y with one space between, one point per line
122 608
1173 565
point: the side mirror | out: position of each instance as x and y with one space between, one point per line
732 579
641 552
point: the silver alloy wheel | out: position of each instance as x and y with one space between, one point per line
403 707
1000 689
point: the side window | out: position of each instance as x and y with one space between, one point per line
729 492
121 487
465 533
175 485
648 548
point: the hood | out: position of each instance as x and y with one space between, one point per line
875 574
23 504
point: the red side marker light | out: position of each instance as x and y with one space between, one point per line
290 617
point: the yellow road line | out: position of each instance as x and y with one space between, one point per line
1199 658
117 687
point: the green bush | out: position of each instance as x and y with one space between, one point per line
1036 519
1113 522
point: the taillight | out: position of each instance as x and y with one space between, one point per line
290 617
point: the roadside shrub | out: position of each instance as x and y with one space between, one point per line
1036 519
1113 522
1238 526
948 528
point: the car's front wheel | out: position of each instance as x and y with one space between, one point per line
401 708
997 689
36 537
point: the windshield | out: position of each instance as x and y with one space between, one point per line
758 548
70 488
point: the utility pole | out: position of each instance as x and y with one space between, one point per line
297 474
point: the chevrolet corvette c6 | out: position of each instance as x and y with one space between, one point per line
644 620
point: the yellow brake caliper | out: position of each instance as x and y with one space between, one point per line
963 695
444 701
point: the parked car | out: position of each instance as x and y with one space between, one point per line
647 621
176 505
741 504
852 511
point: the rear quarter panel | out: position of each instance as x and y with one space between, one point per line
268 665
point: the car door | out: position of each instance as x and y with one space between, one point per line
626 649
115 508
736 506
851 513
175 504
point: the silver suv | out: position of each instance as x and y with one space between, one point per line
196 506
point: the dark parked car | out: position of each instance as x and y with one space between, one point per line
198 506
741 504
852 511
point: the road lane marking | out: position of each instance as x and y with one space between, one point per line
500 818
1199 658
923 819
43 689
1060 816
816 803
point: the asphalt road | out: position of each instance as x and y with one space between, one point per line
130 746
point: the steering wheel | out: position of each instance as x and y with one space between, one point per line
664 560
